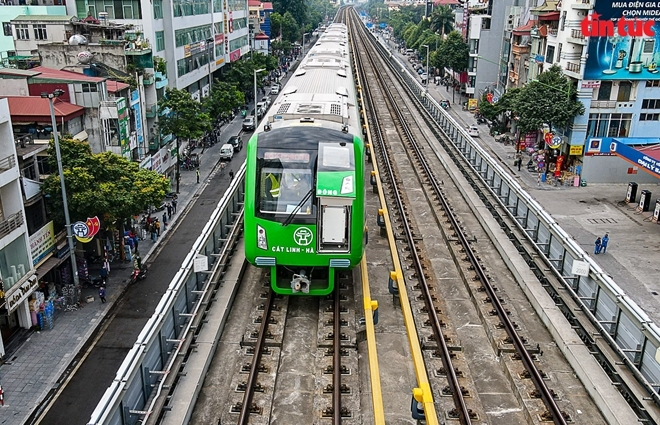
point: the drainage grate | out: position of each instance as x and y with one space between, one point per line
601 220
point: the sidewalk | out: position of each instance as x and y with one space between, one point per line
36 367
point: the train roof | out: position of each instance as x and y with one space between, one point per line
322 87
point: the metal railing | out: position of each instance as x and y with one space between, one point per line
573 67
7 163
136 393
11 223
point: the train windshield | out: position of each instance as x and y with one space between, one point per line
336 157
285 179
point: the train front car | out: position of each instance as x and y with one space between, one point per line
304 197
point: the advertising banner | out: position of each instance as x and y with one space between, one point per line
623 41
122 119
135 104
42 242
635 157
235 55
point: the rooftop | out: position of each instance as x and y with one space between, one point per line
50 75
53 18
31 109
115 86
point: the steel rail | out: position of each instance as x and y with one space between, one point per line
244 417
336 360
426 396
452 378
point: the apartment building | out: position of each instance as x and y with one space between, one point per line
194 38
17 273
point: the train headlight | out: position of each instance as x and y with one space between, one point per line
347 185
261 238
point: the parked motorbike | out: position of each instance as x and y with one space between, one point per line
482 120
138 274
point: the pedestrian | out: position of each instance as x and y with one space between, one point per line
102 293
157 226
598 246
197 172
165 220
2 396
104 273
231 175
174 202
604 242
136 241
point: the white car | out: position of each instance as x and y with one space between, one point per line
473 131
275 90
266 100
226 152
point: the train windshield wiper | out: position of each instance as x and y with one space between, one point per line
289 219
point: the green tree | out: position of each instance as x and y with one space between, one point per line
296 8
182 115
223 99
455 51
104 185
550 100
487 109
442 20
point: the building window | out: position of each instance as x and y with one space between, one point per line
550 54
40 32
625 87
192 35
605 90
651 104
609 125
649 117
160 41
6 29
89 87
158 9
22 32
653 83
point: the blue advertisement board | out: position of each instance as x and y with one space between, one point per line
635 157
624 38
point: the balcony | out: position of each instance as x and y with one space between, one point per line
577 37
519 50
573 70
582 4
603 104
152 111
148 80
7 163
12 223
161 80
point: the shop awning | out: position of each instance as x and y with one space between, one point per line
647 158
49 265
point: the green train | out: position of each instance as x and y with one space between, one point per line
304 184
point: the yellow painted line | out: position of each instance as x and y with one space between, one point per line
423 393
369 307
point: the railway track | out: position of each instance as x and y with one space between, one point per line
273 372
413 171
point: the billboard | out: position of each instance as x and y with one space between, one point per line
623 41
122 118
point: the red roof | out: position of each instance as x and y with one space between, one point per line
115 86
551 16
652 151
254 3
268 5
67 76
29 109
446 2
261 36
525 29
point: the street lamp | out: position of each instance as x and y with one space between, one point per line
256 113
427 66
67 220
303 52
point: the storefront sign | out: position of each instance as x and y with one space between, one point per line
146 163
235 55
122 118
539 58
157 163
623 40
21 293
472 104
135 105
591 84
42 242
186 51
219 38
576 150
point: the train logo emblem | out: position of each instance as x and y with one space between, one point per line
303 236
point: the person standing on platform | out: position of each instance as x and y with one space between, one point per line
165 220
603 244
157 226
102 294
598 246
197 172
